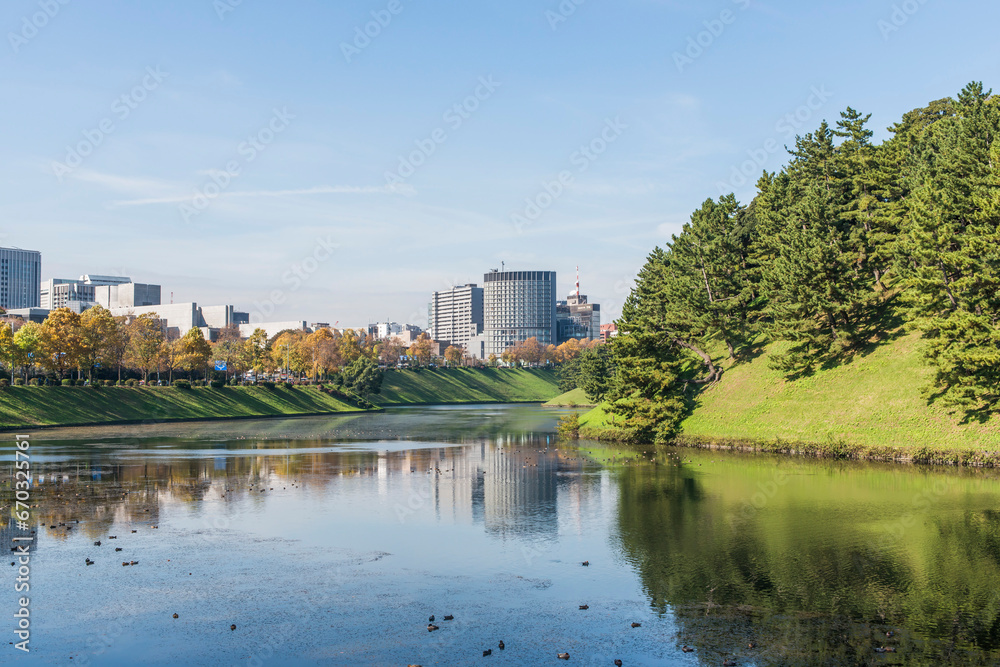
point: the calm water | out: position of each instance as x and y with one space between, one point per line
332 541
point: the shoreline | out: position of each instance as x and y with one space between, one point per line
292 415
179 420
842 451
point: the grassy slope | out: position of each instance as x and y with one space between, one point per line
571 398
876 400
45 406
467 385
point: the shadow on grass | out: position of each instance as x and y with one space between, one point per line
881 326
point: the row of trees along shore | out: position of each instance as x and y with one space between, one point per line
95 341
136 345
848 246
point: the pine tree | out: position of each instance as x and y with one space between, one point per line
708 282
952 233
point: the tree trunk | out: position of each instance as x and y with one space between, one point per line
714 373
947 286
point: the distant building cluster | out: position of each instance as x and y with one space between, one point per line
510 308
25 296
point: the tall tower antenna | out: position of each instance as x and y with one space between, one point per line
577 282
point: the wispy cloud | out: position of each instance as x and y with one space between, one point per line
123 183
319 190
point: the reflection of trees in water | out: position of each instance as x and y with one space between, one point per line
449 423
808 597
508 482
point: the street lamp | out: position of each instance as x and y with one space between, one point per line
58 356
286 347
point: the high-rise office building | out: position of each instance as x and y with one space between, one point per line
20 278
456 315
517 305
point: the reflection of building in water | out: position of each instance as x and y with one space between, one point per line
513 484
519 487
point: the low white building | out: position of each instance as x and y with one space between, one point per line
273 328
179 318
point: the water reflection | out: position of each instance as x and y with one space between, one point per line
378 521
817 563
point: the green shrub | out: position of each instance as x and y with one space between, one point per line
109 383
67 382
34 382
131 382
289 385
218 384
4 383
18 382
569 426
182 384
267 384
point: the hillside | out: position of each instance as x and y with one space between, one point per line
874 401
467 385
24 407
573 398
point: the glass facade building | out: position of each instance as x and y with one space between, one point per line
518 305
20 278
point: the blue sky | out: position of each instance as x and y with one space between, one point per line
238 152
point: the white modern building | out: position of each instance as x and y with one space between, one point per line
20 278
87 290
127 295
455 316
383 330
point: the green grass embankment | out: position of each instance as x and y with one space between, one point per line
571 399
873 407
467 385
27 407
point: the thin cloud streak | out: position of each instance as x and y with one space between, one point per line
405 190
